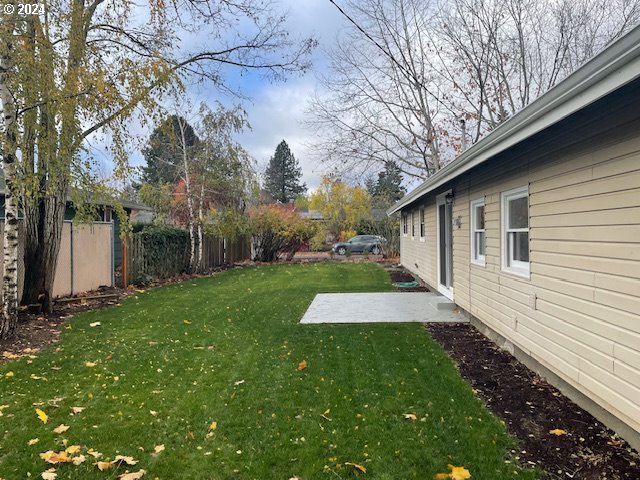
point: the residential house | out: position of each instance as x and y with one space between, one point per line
534 232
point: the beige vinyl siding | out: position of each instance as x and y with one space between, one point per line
579 312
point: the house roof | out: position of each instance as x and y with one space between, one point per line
617 65
128 204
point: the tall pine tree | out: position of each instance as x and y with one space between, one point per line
388 187
282 177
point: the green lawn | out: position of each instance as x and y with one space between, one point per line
159 380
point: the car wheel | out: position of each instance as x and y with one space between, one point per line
341 250
375 250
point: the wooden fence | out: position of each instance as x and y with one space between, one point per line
172 258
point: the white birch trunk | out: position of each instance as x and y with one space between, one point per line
187 183
200 232
9 318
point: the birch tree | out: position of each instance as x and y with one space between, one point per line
83 67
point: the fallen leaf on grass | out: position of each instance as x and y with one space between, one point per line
61 428
72 449
53 457
9 374
558 432
302 365
90 364
50 474
78 460
9 355
455 473
42 416
94 453
132 476
239 382
127 460
75 410
33 441
356 467
95 324
187 322
102 466
410 416
157 449
213 425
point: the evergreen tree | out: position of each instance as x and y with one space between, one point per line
163 151
388 187
282 177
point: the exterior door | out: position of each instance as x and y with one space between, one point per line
445 247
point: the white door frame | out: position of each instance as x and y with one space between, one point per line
445 290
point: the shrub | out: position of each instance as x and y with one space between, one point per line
277 232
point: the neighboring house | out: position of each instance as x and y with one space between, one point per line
535 232
89 253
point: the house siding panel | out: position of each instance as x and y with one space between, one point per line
578 313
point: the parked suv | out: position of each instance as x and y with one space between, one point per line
361 244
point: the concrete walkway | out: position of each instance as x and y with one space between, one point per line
381 307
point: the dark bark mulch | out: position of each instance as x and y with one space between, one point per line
532 408
401 275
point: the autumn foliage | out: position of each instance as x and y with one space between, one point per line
278 233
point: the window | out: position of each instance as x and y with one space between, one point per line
515 231
422 226
413 226
477 232
405 224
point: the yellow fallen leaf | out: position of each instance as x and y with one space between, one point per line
102 466
75 410
157 449
558 432
94 453
410 416
78 460
441 476
357 467
9 374
42 416
153 412
61 428
49 474
187 322
52 457
302 365
459 473
213 425
90 364
132 476
127 460
95 324
33 441
72 449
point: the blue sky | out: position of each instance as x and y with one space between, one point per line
275 111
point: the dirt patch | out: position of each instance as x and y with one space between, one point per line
531 408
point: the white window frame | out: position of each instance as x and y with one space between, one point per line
422 227
510 265
405 224
476 258
413 224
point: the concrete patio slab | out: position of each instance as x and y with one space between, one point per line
381 308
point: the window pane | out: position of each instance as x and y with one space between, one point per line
479 217
521 246
422 229
518 214
479 244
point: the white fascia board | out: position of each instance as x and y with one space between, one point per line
613 68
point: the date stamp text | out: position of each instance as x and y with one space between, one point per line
22 8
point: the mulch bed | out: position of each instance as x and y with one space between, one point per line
400 275
531 408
